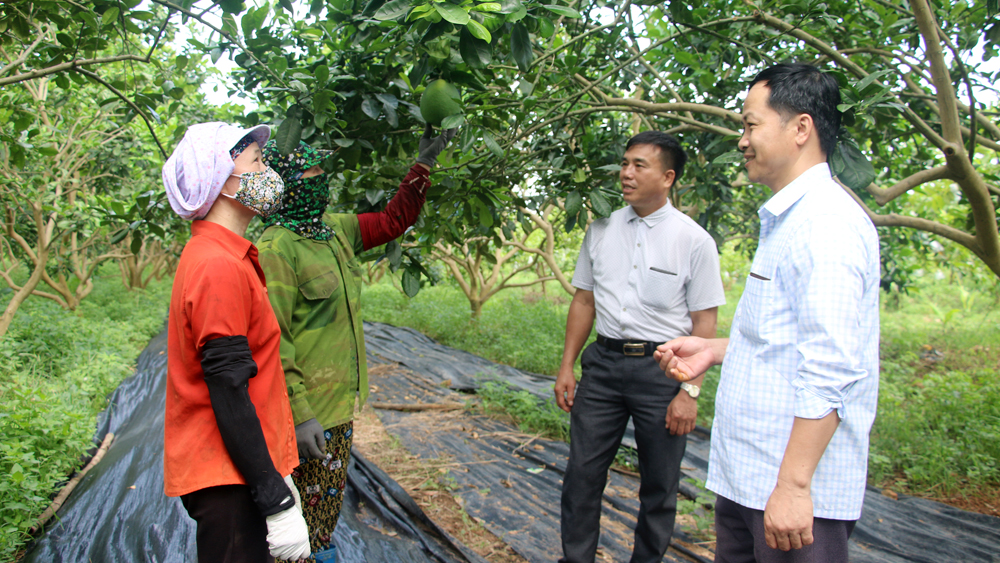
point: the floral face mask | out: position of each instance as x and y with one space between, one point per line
259 191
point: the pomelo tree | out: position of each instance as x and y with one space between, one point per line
551 90
87 91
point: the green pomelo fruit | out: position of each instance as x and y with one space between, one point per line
439 101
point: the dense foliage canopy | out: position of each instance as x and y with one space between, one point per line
551 90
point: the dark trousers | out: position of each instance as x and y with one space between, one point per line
231 528
613 388
740 538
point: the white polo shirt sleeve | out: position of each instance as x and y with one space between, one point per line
704 289
583 276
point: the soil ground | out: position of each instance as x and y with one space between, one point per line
424 482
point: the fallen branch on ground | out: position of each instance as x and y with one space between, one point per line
417 407
64 494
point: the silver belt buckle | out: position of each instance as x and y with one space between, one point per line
634 349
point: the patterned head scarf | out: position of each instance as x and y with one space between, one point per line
201 163
304 200
241 146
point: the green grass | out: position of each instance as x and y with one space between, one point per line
56 369
516 328
937 432
938 427
533 415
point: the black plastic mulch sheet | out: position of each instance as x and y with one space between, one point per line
118 512
505 479
512 482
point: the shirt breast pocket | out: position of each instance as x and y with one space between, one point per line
753 306
322 286
662 288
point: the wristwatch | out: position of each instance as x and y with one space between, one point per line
692 390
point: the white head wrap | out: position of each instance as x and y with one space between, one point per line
196 171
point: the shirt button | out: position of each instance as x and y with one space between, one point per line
634 267
623 309
638 244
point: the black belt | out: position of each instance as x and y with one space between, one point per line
628 347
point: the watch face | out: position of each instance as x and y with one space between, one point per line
692 390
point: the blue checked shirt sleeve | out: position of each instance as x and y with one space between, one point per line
826 274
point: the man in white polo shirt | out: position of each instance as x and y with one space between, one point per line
648 273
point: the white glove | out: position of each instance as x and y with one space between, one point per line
287 534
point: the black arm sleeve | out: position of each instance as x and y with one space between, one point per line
228 366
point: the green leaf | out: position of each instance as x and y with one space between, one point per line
570 222
520 47
453 121
388 100
486 220
685 58
374 195
17 473
475 52
731 157
851 166
518 14
452 13
545 27
864 82
488 7
411 283
110 15
370 108
392 10
231 6
479 31
119 235
564 11
510 6
136 245
288 135
574 201
580 176
394 252
390 114
322 74
492 144
599 203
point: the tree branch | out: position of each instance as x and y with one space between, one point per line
885 195
130 103
26 53
234 40
69 65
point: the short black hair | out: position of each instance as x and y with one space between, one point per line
800 88
672 155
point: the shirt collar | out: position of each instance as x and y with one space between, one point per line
229 240
653 218
793 192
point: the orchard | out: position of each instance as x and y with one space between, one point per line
548 93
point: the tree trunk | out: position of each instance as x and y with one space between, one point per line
476 305
20 295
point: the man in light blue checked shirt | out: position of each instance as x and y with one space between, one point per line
799 385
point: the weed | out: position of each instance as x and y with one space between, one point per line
533 415
56 369
937 431
701 512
